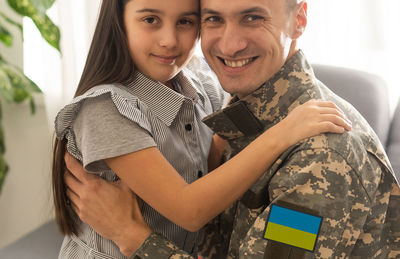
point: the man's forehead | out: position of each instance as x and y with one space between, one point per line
237 6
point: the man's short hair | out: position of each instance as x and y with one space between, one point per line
290 5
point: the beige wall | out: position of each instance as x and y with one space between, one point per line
25 201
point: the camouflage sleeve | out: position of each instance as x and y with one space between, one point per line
319 182
214 240
158 247
393 216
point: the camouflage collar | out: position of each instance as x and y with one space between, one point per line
268 104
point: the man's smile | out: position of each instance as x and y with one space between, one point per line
237 63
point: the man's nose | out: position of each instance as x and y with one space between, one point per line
232 41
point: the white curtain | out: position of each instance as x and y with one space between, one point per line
58 75
360 34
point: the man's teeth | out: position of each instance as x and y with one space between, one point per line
238 63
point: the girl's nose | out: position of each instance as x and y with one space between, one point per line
168 37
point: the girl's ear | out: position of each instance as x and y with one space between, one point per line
300 19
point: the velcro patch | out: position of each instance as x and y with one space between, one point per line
292 227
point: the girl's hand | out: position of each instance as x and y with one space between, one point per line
313 118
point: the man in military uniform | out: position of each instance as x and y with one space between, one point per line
345 180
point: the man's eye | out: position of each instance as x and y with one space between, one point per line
213 19
150 20
253 18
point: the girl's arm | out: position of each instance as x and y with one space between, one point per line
191 206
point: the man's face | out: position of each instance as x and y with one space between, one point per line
246 41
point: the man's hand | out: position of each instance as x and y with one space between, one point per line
111 209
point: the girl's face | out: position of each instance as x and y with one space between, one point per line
161 35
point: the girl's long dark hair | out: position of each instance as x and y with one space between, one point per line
108 61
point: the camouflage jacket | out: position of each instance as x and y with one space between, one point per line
344 178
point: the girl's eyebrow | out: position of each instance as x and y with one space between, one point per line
149 10
190 13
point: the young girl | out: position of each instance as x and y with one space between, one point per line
137 116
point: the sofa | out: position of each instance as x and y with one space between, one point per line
393 145
367 92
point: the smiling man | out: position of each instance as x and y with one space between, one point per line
329 196
247 42
334 195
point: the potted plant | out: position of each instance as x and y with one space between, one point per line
15 86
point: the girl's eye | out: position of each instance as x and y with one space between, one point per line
150 20
185 22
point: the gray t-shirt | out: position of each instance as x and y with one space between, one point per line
101 132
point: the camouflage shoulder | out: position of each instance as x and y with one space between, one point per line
157 246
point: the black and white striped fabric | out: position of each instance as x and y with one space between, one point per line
173 119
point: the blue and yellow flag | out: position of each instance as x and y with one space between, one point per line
292 227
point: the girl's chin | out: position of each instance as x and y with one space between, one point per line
164 79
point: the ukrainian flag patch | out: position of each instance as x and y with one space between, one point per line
292 228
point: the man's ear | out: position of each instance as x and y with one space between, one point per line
300 23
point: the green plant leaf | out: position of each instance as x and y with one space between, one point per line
50 32
3 164
36 10
6 89
3 170
21 86
32 105
5 36
11 21
2 144
42 5
17 77
14 85
23 7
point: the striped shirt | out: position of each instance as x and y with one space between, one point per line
154 115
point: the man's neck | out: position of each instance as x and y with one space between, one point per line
268 104
292 51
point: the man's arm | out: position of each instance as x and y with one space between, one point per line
319 182
157 246
216 235
119 205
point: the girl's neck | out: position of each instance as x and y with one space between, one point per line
170 84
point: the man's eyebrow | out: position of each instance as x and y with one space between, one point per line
247 11
208 11
255 10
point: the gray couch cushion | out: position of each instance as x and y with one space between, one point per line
366 92
42 243
393 148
